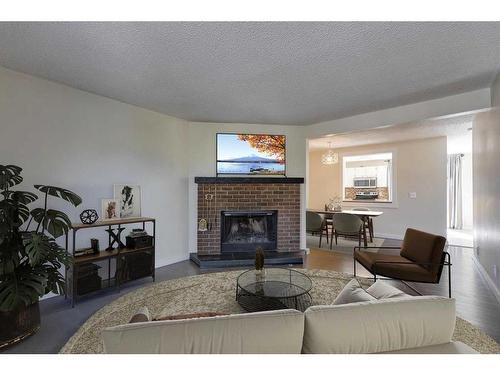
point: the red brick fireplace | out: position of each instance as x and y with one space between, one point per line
250 197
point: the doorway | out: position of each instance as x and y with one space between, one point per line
459 189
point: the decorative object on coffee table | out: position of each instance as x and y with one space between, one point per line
129 200
259 259
277 288
89 216
31 258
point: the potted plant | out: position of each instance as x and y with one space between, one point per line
30 258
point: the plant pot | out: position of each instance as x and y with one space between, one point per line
18 324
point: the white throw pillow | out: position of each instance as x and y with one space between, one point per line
142 315
353 292
382 290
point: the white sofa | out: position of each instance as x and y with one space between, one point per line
396 325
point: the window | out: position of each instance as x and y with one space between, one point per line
367 178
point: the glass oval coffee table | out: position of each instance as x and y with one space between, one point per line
273 289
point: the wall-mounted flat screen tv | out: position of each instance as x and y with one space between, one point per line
251 154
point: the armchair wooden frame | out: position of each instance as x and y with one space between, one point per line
445 261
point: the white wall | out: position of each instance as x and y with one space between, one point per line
202 157
70 138
495 92
419 166
486 191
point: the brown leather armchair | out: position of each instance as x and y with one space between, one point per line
421 259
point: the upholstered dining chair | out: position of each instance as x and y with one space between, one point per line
421 258
315 223
347 225
368 221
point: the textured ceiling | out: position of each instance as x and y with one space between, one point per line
276 73
456 128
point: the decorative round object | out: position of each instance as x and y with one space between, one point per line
89 216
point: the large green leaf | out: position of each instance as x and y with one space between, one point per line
65 194
25 286
10 257
56 222
37 247
4 232
24 197
14 213
58 256
10 175
55 280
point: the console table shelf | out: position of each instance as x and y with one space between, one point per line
120 255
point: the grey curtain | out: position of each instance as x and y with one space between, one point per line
455 191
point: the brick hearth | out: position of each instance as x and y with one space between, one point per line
284 197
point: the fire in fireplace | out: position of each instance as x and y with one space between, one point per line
246 230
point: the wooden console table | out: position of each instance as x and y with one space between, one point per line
119 254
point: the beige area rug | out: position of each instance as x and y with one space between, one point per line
216 292
344 245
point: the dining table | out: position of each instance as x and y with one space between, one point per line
362 214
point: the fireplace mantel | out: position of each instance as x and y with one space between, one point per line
249 180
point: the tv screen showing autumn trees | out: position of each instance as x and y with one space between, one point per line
256 154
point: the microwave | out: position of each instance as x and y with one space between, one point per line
365 182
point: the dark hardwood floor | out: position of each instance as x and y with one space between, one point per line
475 302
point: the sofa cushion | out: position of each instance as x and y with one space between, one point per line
454 347
352 292
272 332
381 289
379 326
189 316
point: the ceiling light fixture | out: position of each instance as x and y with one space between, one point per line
329 157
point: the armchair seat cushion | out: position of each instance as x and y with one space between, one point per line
408 271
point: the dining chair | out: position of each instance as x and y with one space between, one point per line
328 220
315 223
368 221
347 225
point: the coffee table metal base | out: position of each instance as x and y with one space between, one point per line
254 302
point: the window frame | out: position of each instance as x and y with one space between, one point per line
393 203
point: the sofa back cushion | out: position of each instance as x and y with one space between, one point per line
379 326
263 332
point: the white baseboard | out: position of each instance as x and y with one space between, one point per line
388 236
486 278
167 261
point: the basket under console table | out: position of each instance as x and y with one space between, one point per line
126 269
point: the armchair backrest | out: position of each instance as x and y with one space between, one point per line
423 247
347 223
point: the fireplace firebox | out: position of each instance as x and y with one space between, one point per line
247 230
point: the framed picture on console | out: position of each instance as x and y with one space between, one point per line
129 198
251 154
110 209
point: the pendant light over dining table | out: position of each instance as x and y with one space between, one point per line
329 157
